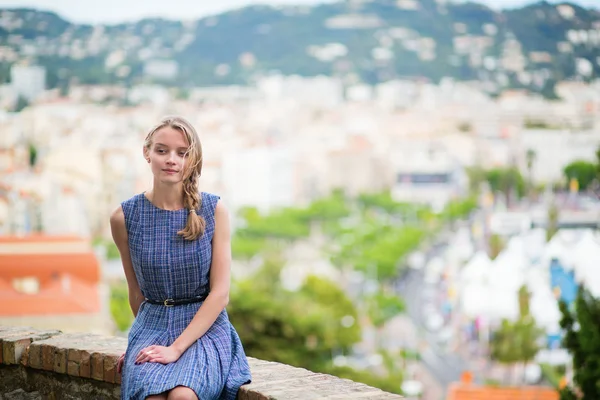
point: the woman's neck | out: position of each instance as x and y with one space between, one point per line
167 198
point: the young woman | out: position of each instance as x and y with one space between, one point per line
175 247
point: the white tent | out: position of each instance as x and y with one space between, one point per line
561 248
508 270
586 258
476 270
534 242
544 308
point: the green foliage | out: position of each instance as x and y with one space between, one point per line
465 127
477 176
22 104
298 328
383 202
517 341
506 180
380 247
112 251
119 306
382 307
287 223
330 208
598 163
583 171
538 124
551 374
390 383
582 340
244 247
284 35
552 227
496 245
33 154
459 209
283 224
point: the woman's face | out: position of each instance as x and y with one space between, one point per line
167 155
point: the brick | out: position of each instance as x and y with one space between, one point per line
35 356
110 368
85 367
60 360
25 357
73 361
47 357
13 348
97 364
14 342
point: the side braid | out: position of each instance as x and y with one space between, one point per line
192 201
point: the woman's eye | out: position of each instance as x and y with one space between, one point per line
182 154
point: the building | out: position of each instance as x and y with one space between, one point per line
52 282
261 177
28 81
161 69
465 391
428 175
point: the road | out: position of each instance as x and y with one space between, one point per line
444 366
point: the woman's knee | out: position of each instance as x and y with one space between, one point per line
182 393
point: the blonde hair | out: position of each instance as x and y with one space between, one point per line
192 200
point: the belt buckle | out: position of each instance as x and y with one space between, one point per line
166 303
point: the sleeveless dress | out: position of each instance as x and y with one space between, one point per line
170 267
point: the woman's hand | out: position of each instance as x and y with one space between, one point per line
159 354
120 363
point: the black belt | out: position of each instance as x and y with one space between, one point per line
171 302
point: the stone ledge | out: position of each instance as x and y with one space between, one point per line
82 365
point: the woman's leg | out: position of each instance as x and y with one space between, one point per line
182 393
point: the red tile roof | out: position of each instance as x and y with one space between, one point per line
54 298
83 266
462 391
66 269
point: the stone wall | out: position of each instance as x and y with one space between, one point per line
36 364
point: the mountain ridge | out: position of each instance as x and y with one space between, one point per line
370 41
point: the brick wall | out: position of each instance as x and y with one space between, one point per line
36 364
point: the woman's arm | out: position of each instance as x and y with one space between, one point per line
219 284
119 234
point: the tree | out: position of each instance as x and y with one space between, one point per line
33 154
552 226
22 103
517 341
584 172
507 181
582 340
300 328
530 157
119 306
496 245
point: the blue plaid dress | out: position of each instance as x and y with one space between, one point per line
170 267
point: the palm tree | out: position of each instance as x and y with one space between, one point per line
530 157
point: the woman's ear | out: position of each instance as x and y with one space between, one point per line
146 154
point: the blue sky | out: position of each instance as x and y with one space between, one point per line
114 11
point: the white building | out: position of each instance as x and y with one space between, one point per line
427 175
161 69
555 149
319 91
28 81
261 177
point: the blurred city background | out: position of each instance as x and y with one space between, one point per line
413 183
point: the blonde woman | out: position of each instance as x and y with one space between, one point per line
175 248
